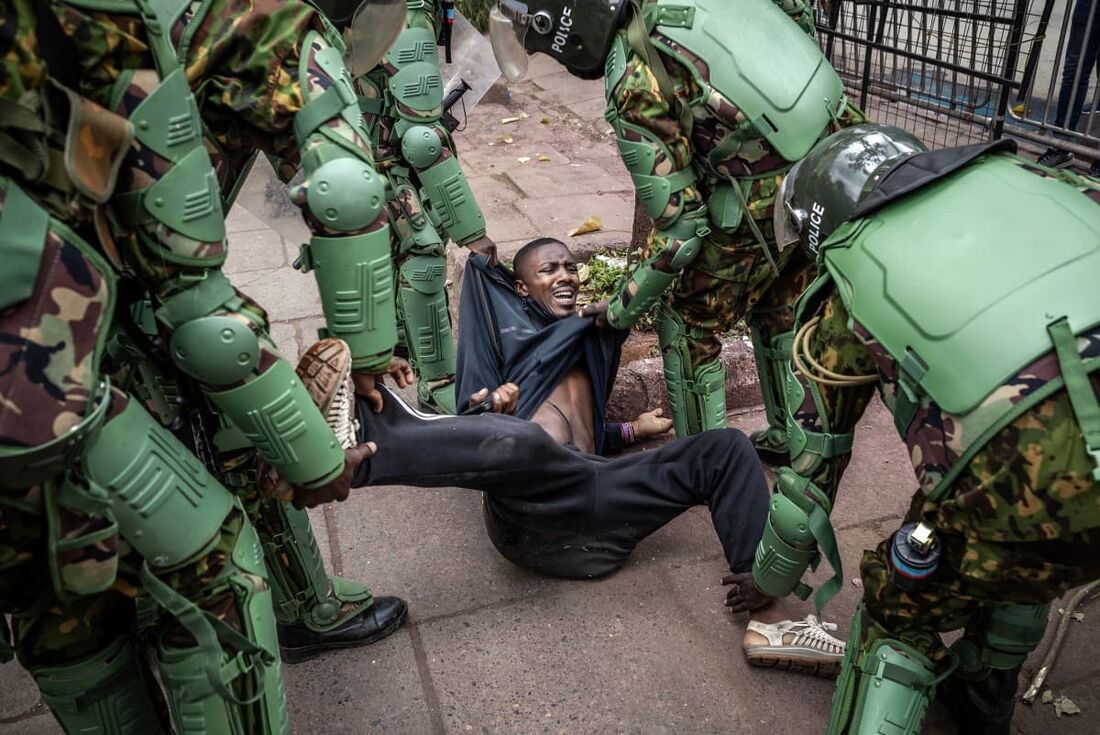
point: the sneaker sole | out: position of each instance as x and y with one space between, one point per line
323 369
825 668
304 653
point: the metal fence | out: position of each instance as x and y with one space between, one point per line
961 71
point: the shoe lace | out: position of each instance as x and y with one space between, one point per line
814 633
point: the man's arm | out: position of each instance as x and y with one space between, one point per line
659 156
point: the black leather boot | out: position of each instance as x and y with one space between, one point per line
984 706
299 643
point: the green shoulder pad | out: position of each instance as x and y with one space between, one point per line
942 290
789 96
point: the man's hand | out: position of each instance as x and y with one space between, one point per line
651 423
597 311
366 384
743 595
505 398
485 246
337 489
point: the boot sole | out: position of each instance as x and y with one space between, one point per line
305 653
811 667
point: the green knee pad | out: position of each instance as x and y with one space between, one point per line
1001 640
696 393
771 366
104 694
167 505
250 673
427 322
884 686
301 589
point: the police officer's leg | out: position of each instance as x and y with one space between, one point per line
981 692
771 326
203 564
422 299
80 651
688 324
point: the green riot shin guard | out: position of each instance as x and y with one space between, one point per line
167 505
884 686
251 699
104 694
301 589
427 322
772 357
696 393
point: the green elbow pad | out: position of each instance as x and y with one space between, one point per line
280 419
355 278
168 506
453 207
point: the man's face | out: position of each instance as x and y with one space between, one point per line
550 278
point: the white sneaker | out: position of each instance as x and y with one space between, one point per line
803 646
325 369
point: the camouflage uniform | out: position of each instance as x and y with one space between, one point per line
1008 485
66 579
1021 522
732 276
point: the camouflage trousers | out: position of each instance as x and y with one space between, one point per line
50 631
732 279
1020 524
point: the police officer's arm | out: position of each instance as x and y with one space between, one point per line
293 99
658 155
217 336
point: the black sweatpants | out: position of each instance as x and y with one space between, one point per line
558 511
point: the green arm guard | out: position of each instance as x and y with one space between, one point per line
652 277
277 415
798 525
355 278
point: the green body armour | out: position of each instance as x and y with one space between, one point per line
1004 288
788 96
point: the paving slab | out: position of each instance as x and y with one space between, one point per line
255 250
430 547
547 182
555 216
284 292
367 690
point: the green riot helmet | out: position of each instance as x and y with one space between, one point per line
823 189
577 33
369 28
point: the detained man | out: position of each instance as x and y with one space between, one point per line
552 505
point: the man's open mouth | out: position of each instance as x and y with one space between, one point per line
566 295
